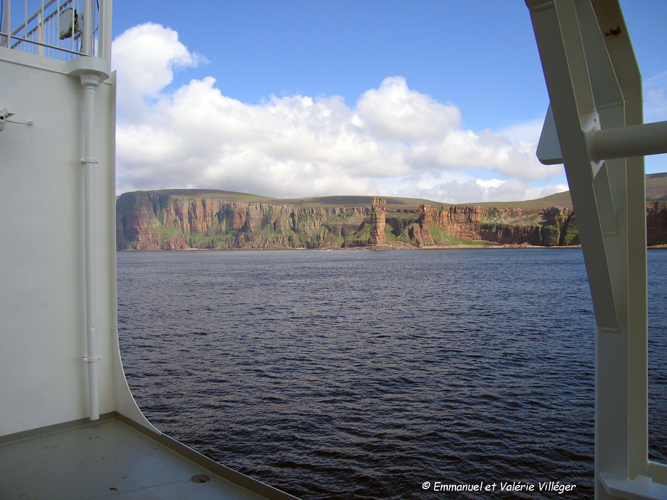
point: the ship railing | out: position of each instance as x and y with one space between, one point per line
56 29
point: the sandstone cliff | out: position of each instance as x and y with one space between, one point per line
180 220
516 226
154 221
656 222
377 222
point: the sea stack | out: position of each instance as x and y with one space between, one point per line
378 221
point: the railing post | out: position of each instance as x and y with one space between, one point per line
40 31
104 36
5 41
87 40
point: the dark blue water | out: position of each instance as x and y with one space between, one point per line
361 374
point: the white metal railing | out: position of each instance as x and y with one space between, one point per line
39 33
58 29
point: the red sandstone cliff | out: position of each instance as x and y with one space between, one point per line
155 221
542 227
158 220
377 222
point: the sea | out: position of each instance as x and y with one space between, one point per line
360 374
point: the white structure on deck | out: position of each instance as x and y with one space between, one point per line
69 427
595 126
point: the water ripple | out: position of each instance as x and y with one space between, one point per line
360 375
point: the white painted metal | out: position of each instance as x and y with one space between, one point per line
607 144
639 488
43 380
90 82
633 140
548 149
58 272
47 295
87 36
40 31
5 40
104 33
4 114
596 102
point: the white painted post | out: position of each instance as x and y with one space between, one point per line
90 71
40 31
596 102
90 82
104 33
87 35
7 24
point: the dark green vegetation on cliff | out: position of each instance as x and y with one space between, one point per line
181 219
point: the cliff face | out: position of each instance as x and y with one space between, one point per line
656 222
153 221
543 227
148 220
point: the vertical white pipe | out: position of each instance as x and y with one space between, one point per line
104 33
56 34
40 31
108 6
7 23
90 82
101 30
88 20
73 24
25 21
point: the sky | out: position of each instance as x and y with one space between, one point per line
441 100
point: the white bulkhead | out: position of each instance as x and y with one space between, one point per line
43 342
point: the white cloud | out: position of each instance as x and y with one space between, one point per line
145 57
491 183
463 188
529 131
395 139
393 111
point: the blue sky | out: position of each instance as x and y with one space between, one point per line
299 98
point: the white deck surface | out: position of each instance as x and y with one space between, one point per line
104 460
